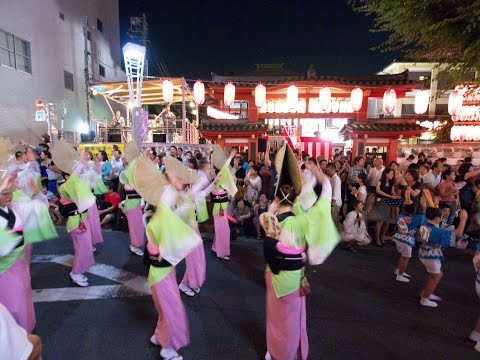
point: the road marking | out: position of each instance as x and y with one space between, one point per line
131 284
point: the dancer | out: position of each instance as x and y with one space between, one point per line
76 199
195 270
404 238
169 241
90 171
15 287
285 248
224 187
430 252
131 206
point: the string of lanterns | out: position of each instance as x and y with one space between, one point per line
464 106
422 98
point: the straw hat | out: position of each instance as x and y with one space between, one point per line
173 167
218 157
287 169
65 156
131 151
148 180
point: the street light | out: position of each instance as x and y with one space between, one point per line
134 56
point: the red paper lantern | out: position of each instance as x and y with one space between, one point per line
229 94
422 99
199 92
389 101
356 99
260 95
167 90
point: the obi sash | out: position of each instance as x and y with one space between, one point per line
281 260
131 194
219 197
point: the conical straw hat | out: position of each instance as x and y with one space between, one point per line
287 169
148 180
65 156
218 157
173 167
131 151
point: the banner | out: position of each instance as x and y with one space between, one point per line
108 148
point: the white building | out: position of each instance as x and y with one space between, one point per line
42 57
432 76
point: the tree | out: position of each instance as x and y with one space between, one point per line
443 31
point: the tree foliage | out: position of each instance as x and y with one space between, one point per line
444 31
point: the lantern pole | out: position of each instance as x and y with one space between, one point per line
184 110
134 56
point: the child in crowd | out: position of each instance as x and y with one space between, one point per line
433 238
404 238
259 209
53 204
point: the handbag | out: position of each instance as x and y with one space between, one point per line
81 227
304 286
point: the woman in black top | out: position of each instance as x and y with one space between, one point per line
385 192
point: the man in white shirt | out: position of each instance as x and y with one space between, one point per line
375 172
117 167
336 182
15 343
433 177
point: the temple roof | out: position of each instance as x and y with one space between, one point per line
249 79
234 127
378 127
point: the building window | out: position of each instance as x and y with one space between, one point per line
68 79
15 52
101 70
99 25
61 15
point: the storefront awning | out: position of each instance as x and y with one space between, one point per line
152 93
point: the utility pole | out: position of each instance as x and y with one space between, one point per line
86 70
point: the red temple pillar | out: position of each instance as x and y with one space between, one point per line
362 114
392 152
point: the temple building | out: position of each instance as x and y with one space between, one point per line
309 123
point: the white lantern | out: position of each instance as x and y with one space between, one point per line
167 91
325 97
389 101
455 102
356 99
260 95
229 94
199 92
292 96
422 98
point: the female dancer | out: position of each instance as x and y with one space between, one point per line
224 187
15 287
169 241
284 249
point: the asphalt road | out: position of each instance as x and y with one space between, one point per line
355 311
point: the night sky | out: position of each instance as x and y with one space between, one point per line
194 38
